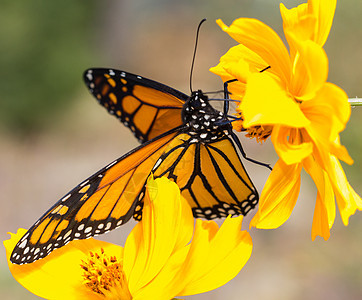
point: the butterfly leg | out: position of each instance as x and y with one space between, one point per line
226 95
237 142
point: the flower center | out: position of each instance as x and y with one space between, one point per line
104 275
259 132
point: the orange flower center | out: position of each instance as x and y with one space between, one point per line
259 132
104 275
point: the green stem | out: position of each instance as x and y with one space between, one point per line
355 101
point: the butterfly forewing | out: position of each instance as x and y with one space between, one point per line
145 106
104 201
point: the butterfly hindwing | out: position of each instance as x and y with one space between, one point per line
145 106
210 176
106 200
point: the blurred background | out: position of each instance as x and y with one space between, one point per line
53 134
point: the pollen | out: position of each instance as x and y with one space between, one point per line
261 133
104 276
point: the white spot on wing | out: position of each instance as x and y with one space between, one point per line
157 164
111 164
84 183
109 224
89 76
23 244
67 234
66 197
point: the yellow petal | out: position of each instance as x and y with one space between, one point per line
340 151
328 112
262 40
310 70
167 224
292 19
236 88
287 150
325 208
311 21
299 22
240 52
347 199
214 259
320 220
220 70
162 286
59 275
323 10
266 102
338 102
239 70
278 197
237 63
171 279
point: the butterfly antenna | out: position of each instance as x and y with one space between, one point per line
193 58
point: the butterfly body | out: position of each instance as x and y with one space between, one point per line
204 123
183 137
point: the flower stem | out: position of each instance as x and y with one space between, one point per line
355 101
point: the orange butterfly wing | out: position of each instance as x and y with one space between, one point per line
101 203
210 175
145 106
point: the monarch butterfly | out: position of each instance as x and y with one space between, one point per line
184 138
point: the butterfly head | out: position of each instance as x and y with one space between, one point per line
204 121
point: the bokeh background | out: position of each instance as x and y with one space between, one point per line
53 134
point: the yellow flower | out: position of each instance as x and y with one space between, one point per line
286 95
158 260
